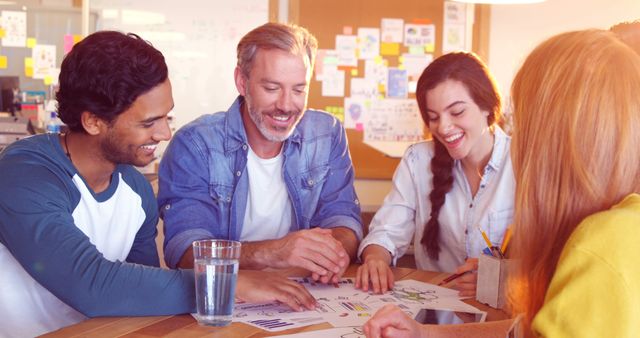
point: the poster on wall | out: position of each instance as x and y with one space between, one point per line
391 30
420 36
15 29
44 60
454 27
368 43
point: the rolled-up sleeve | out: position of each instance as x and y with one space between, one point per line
183 196
393 225
338 205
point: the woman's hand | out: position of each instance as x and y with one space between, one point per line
375 270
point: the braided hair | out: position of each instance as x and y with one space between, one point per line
468 69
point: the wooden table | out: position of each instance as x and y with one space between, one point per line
186 325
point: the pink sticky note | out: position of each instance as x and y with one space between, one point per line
347 30
68 43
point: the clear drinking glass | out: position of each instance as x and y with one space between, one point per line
216 273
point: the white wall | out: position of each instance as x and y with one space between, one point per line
517 29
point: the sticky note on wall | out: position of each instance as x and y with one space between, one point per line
31 42
3 62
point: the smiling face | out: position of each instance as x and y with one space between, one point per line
133 136
275 93
457 121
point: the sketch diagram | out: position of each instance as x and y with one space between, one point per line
343 305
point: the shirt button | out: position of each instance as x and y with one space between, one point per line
357 202
244 146
482 186
310 182
238 173
167 207
228 199
470 205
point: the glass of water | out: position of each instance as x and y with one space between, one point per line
216 272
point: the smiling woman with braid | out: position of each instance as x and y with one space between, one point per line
447 190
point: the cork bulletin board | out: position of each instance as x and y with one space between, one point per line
328 18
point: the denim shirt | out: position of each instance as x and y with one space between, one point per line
203 181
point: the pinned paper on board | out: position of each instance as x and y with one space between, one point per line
415 64
333 82
397 83
419 35
31 42
368 43
3 62
355 112
346 46
325 57
44 60
394 120
391 30
14 24
389 48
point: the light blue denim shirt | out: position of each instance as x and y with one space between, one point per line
203 181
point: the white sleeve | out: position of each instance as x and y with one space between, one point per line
393 225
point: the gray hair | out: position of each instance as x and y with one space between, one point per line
285 37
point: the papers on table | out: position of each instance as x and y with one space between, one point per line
346 306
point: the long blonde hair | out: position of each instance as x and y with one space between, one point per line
575 148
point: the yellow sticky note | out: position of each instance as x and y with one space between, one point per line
48 79
76 38
28 71
381 88
429 48
389 48
3 62
2 33
28 62
31 42
377 59
401 67
400 59
354 72
385 62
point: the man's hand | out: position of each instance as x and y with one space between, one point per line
375 270
315 250
261 286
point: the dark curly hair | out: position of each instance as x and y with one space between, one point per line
104 74
474 74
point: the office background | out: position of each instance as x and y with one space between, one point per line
198 38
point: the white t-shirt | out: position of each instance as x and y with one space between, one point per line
268 214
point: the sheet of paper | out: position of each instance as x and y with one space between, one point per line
346 332
368 43
397 84
394 120
346 306
415 64
332 82
44 60
392 30
325 58
15 28
454 27
346 46
355 112
419 35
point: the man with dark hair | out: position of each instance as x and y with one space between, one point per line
77 221
268 171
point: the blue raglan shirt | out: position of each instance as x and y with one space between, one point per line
67 253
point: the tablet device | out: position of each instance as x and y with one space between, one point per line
434 316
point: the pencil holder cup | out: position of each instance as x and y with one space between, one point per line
492 280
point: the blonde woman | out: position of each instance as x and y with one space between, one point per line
577 218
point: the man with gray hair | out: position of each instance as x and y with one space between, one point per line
268 171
